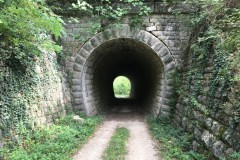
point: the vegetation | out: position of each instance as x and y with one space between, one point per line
214 51
29 31
174 142
116 150
56 142
121 87
29 28
26 28
106 13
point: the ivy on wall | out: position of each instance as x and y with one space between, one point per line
208 81
104 13
27 31
26 97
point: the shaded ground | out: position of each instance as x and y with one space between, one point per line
140 145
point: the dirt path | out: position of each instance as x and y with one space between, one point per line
140 145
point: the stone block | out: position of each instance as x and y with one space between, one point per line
77 67
78 101
77 94
197 133
167 58
79 60
208 138
151 28
84 53
164 51
165 108
170 66
148 24
76 88
157 47
157 33
218 149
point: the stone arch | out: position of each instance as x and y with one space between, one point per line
82 79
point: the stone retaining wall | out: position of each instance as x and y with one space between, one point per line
214 126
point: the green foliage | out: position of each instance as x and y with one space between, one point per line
174 142
116 149
105 13
210 83
16 92
234 156
22 92
56 142
177 78
25 30
121 87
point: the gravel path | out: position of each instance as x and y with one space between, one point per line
140 145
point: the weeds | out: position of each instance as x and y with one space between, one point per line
116 150
174 143
56 142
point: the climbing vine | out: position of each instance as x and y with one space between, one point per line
209 79
29 30
104 13
27 33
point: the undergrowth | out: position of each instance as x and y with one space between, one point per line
56 142
175 144
116 149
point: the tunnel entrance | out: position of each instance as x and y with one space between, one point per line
143 59
122 87
123 57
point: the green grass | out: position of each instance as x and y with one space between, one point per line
116 149
174 143
56 142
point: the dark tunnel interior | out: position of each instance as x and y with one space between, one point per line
129 58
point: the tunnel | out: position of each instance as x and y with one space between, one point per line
122 57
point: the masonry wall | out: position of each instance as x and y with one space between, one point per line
162 24
34 96
167 27
206 107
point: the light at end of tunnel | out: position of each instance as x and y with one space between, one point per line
122 87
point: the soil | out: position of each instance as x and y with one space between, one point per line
140 145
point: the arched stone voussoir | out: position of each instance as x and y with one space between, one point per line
167 58
124 31
88 47
170 66
157 46
77 67
100 38
108 34
145 37
84 53
143 43
94 42
79 60
152 41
